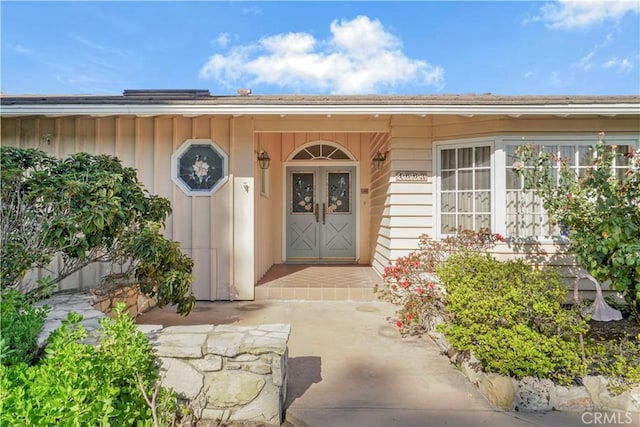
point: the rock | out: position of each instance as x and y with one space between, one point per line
441 341
628 401
597 386
180 345
533 394
264 408
256 368
498 390
570 399
182 377
223 343
594 384
228 389
209 363
279 370
263 344
472 368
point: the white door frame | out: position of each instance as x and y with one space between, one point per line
316 163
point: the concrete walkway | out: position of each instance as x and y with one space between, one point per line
348 366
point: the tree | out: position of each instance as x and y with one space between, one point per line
86 208
599 211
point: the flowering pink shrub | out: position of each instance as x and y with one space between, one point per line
411 282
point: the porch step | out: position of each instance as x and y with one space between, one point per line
318 283
314 293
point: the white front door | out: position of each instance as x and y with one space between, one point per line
321 214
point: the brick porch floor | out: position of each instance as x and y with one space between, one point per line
318 282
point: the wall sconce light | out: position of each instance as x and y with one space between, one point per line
264 159
379 159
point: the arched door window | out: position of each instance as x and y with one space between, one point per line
321 152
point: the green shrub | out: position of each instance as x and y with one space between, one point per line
511 316
82 210
77 384
411 282
617 359
20 325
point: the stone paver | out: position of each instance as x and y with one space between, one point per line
64 303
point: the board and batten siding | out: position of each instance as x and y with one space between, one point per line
202 225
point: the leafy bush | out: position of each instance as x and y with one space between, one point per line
78 384
511 316
411 282
617 359
86 208
600 210
20 325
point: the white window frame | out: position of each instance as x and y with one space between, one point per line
457 144
498 145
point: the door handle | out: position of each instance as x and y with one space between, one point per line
317 213
324 213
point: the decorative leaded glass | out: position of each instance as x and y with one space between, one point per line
303 193
339 192
199 167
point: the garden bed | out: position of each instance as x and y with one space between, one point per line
533 394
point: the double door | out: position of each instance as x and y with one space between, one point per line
321 217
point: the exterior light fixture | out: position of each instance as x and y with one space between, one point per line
264 159
379 159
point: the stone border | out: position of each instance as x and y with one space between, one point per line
224 373
531 394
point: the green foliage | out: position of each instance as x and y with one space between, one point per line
88 208
600 210
76 384
412 284
617 359
511 317
20 325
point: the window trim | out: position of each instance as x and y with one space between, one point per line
455 144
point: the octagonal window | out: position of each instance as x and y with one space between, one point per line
199 167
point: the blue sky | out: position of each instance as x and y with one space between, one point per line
330 47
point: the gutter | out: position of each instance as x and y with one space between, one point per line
101 109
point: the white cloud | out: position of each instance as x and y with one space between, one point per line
529 74
18 48
222 40
96 47
86 42
623 65
254 10
361 57
585 62
555 79
570 14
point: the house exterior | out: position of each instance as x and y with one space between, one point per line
442 162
